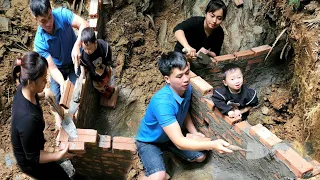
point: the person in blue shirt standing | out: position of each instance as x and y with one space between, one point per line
56 41
166 114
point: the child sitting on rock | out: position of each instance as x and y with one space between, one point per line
96 57
234 99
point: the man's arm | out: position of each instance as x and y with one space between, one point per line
79 23
190 126
174 133
55 73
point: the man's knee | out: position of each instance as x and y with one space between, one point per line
201 158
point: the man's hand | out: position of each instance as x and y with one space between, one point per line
220 146
62 88
76 55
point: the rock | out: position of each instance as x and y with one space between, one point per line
265 110
162 34
122 41
118 3
5 24
267 120
257 30
4 4
311 7
131 174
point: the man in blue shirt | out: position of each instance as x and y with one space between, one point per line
56 41
166 114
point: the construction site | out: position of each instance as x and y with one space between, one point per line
275 43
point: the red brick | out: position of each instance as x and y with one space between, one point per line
109 154
234 137
93 9
230 121
294 161
85 135
211 131
242 127
196 117
215 70
254 61
104 141
201 85
261 50
217 112
204 130
67 95
265 136
246 54
93 23
192 74
74 147
124 143
227 57
208 102
214 117
90 132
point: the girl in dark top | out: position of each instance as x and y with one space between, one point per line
202 33
27 123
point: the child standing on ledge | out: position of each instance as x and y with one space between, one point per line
96 57
234 99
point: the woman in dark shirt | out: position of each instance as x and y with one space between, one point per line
202 33
27 123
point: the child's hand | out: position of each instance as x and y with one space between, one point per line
231 114
237 113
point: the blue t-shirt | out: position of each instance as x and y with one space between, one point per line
60 44
165 108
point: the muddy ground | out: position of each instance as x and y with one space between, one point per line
133 31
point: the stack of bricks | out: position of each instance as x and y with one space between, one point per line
213 124
247 60
99 156
94 8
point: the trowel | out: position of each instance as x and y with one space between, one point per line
67 122
75 99
202 58
253 151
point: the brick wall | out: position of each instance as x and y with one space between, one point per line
99 156
247 60
281 162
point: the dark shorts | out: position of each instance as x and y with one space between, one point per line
151 155
46 171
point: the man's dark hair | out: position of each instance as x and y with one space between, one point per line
39 7
33 66
88 35
228 67
216 5
171 60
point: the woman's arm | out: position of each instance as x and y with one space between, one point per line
179 34
46 157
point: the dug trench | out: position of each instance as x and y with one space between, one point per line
139 31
